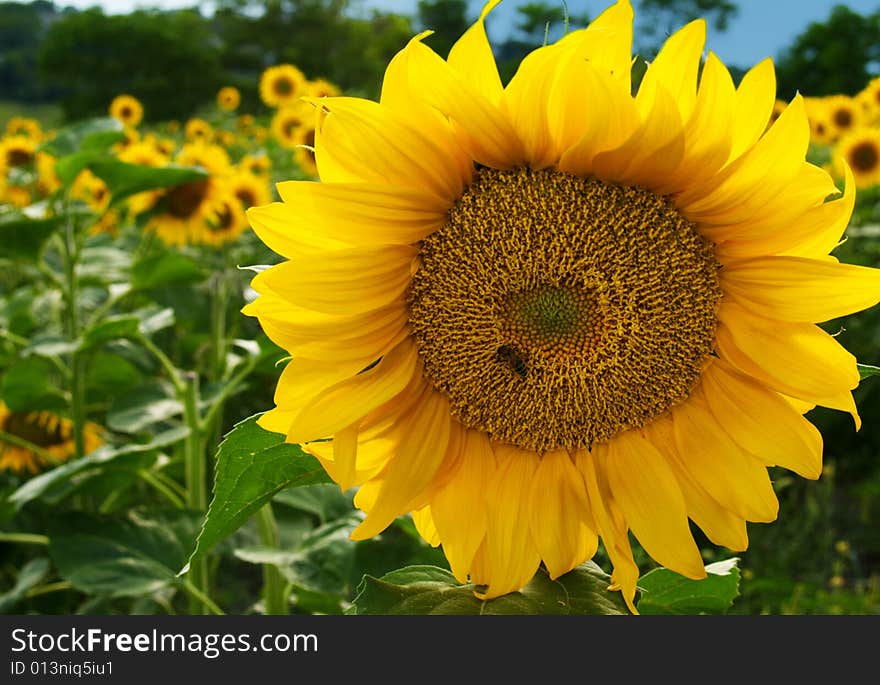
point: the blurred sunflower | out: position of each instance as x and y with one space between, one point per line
548 313
16 152
251 190
51 433
287 121
860 151
24 126
228 98
281 85
226 224
179 213
211 157
244 122
843 113
47 179
144 153
198 130
778 108
321 88
127 109
259 165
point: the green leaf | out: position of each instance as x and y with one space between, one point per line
122 556
112 328
24 238
433 590
124 180
93 464
50 346
667 592
28 386
866 371
162 269
68 167
91 135
100 264
325 501
150 404
31 574
252 465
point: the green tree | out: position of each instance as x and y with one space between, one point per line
657 19
831 57
168 60
447 19
22 27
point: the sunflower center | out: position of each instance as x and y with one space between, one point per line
17 157
125 112
283 86
843 118
184 200
555 311
864 156
246 197
41 429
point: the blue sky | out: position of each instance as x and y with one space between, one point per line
761 29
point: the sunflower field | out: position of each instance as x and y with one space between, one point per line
594 339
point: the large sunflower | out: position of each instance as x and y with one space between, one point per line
548 313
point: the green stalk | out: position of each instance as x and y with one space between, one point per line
70 253
274 595
24 538
196 488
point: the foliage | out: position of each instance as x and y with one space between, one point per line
830 57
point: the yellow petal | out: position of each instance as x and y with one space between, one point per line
278 226
559 509
380 145
675 69
302 379
652 503
353 398
721 467
425 525
511 555
459 507
745 186
755 97
612 529
720 525
481 126
344 282
821 230
360 213
801 289
471 56
424 436
761 422
345 444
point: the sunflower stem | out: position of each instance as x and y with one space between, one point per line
70 256
24 538
196 486
274 595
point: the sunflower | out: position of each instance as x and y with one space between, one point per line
321 88
250 189
24 126
258 165
14 195
226 224
210 157
870 96
198 130
860 151
244 122
17 152
228 98
47 178
127 109
91 190
52 433
281 85
552 313
304 152
180 213
843 113
821 129
288 120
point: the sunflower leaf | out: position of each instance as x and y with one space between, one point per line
24 238
124 180
252 465
121 556
89 135
30 575
433 590
166 268
667 592
866 371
